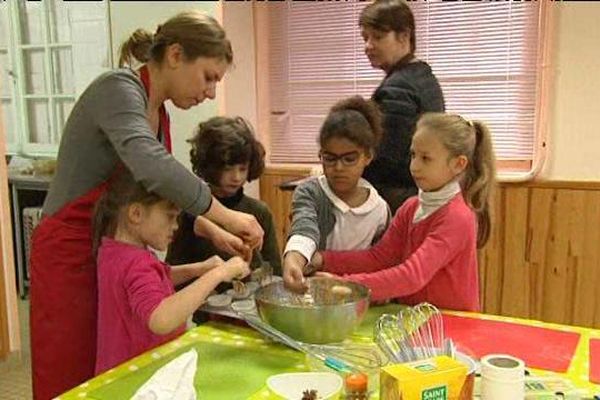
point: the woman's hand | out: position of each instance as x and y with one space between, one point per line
293 276
244 226
220 238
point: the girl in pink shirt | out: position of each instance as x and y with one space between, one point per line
429 252
138 308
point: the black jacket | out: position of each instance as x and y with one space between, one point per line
408 90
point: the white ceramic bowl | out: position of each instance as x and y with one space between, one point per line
291 385
243 305
252 286
219 300
238 296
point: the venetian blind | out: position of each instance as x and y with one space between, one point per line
485 56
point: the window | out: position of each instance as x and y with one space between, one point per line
487 57
49 52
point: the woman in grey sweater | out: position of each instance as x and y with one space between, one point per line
120 122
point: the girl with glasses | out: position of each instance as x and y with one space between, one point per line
429 252
338 210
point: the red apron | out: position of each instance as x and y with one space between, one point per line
64 291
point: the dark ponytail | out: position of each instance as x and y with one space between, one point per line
136 48
355 119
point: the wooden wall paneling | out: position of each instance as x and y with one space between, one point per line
585 239
515 283
538 222
592 250
279 201
491 258
559 278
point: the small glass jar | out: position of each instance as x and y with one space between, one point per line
356 387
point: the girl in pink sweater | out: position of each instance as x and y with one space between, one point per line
429 252
138 308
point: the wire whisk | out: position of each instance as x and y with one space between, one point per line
343 358
414 333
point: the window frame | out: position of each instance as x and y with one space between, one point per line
21 116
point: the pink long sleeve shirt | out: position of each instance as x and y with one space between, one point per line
434 260
131 284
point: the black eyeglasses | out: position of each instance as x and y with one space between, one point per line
348 159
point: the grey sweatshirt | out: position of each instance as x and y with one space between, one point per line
313 216
109 124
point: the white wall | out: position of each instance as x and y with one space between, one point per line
126 17
239 97
574 126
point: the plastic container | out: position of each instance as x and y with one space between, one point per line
502 377
356 387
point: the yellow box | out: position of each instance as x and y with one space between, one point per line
438 378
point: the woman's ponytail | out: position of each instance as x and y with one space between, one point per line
136 49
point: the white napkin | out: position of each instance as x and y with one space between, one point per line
173 381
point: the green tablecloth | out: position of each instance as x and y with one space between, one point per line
234 362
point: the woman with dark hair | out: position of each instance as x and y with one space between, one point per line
408 90
120 122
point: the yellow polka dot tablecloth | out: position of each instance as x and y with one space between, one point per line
234 362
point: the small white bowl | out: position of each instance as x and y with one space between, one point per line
271 279
252 286
291 385
219 300
238 296
243 305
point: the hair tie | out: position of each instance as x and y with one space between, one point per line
468 121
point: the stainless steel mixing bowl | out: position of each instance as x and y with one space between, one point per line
329 320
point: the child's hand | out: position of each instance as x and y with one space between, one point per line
293 277
235 268
317 261
213 262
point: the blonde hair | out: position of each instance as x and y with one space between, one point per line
473 140
199 35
